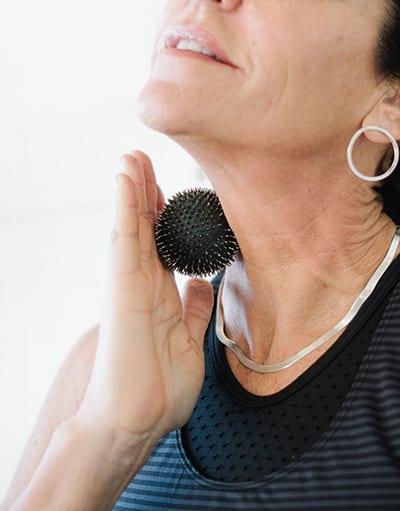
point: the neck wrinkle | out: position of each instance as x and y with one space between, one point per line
308 247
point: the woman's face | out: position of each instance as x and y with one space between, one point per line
288 73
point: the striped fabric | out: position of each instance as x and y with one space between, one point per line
354 466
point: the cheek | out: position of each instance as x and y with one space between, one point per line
321 87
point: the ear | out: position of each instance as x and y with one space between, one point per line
386 114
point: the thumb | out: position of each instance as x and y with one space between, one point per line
198 299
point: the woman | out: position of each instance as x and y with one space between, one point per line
266 95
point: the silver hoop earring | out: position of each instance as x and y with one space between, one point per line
396 152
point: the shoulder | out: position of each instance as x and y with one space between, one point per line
73 376
63 400
69 386
82 354
66 393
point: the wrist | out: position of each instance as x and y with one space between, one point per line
116 446
98 462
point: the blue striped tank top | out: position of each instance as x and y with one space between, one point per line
354 464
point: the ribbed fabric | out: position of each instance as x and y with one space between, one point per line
354 465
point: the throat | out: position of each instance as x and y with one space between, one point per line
312 345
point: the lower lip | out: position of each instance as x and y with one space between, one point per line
193 55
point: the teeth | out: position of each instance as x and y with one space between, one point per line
187 44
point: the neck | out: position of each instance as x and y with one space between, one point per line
310 235
311 212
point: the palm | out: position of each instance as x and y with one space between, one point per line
149 362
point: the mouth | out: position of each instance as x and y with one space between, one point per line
191 45
193 40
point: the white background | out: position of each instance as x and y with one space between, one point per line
70 71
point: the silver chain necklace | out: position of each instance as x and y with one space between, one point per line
360 300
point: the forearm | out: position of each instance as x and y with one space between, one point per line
84 469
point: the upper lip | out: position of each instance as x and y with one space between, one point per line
171 37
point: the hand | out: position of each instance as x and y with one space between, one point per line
149 365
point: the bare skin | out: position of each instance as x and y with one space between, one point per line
138 380
271 130
311 234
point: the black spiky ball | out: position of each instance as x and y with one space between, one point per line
192 234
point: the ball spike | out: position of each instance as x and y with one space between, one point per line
192 234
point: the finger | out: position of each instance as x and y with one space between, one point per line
151 195
198 299
134 166
155 196
160 200
124 245
150 182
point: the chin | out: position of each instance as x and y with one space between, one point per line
159 106
186 113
